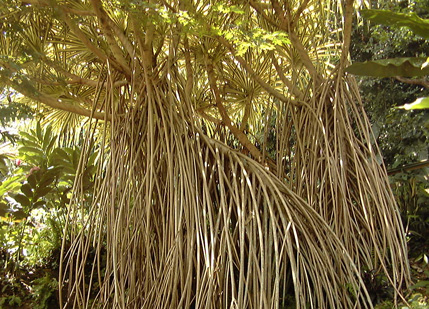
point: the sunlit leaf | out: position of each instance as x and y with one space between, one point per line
425 64
11 184
51 145
29 150
29 137
420 103
39 131
30 143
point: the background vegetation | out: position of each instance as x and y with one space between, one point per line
402 135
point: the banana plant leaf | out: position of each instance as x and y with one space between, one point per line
382 17
408 67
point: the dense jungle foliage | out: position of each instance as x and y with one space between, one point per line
52 160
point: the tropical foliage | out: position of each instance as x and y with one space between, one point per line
402 135
34 194
398 67
402 37
235 163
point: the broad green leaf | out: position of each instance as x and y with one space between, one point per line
51 144
32 181
59 157
39 132
48 177
3 166
420 284
92 158
408 67
62 153
47 139
29 149
75 157
26 189
28 136
20 214
416 24
41 192
420 103
4 209
11 184
39 204
30 143
22 199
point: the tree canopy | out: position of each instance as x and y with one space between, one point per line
236 163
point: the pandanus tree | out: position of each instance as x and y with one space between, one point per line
237 166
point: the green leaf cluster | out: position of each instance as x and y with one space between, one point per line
256 38
35 194
402 137
410 67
